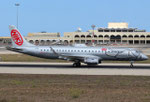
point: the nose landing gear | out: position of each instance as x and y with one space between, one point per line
131 64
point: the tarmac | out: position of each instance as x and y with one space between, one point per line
68 69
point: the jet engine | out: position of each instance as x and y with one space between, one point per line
91 60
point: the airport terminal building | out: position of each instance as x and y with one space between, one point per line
115 33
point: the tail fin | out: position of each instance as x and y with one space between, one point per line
17 38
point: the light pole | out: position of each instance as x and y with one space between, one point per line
93 26
17 5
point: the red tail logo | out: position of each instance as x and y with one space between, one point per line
16 37
104 49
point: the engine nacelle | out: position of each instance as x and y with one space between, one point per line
92 60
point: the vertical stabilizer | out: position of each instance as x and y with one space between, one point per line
17 38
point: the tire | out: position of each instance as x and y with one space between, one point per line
76 64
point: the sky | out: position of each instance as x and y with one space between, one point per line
67 15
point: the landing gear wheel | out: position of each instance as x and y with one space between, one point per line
131 64
74 64
78 64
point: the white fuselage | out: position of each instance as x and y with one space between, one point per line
102 53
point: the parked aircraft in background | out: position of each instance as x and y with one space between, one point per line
78 53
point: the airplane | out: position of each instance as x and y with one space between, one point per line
90 55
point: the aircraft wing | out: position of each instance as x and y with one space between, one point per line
83 58
76 56
73 57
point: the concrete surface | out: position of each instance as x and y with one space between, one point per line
66 68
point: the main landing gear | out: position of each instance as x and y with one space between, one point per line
77 64
131 64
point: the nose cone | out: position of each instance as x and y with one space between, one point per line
144 57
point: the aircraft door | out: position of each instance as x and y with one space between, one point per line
111 53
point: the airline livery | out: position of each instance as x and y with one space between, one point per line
77 53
